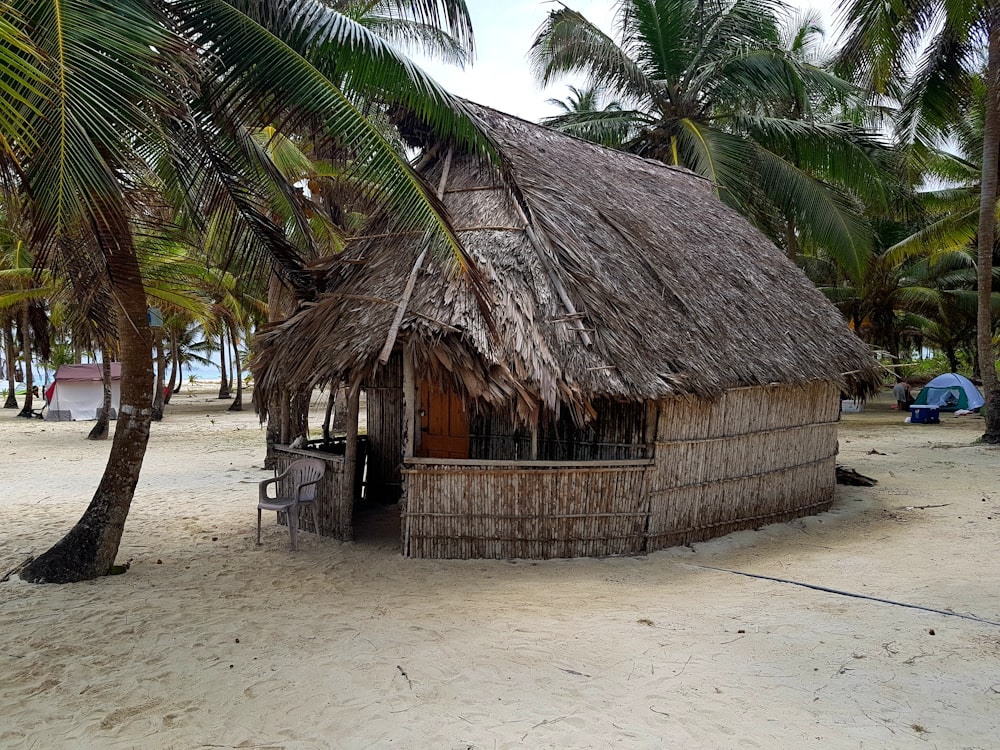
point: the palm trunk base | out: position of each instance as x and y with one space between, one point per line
11 402
992 435
86 552
100 429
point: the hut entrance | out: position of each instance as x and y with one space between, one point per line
444 423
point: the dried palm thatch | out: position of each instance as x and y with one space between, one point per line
607 275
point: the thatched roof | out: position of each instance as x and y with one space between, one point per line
616 277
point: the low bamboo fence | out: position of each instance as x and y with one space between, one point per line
335 516
538 510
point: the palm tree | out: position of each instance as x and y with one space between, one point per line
10 354
880 40
707 84
946 237
180 84
441 30
941 295
186 348
585 114
22 297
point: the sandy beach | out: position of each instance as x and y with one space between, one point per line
209 641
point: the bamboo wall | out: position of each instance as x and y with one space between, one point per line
756 456
335 516
753 457
537 510
385 432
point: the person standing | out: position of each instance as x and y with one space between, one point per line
901 392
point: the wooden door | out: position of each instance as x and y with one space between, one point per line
444 423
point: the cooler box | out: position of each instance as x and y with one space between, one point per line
924 415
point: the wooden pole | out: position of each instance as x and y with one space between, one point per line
410 427
390 339
543 249
346 505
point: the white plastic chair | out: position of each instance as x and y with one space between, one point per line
303 475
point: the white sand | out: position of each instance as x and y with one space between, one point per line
210 641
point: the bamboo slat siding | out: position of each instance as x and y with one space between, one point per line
743 410
465 511
385 432
755 456
331 520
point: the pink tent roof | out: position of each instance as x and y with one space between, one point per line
86 372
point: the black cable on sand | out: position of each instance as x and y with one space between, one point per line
848 593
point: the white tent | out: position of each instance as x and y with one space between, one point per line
77 392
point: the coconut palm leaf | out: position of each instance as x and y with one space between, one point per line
719 94
569 43
385 17
608 127
839 151
827 216
21 78
107 64
291 92
954 232
420 38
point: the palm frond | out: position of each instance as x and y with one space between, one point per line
611 128
954 232
568 43
259 64
825 215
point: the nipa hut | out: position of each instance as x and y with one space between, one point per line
652 371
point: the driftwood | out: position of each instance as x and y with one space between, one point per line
847 475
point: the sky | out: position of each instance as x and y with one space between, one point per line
504 30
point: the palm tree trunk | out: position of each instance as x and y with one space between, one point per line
299 414
792 248
331 404
100 430
180 373
161 371
987 233
237 404
89 549
10 351
952 355
29 376
223 367
173 368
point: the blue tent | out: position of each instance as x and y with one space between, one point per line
950 392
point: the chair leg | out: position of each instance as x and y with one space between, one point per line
258 527
293 526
